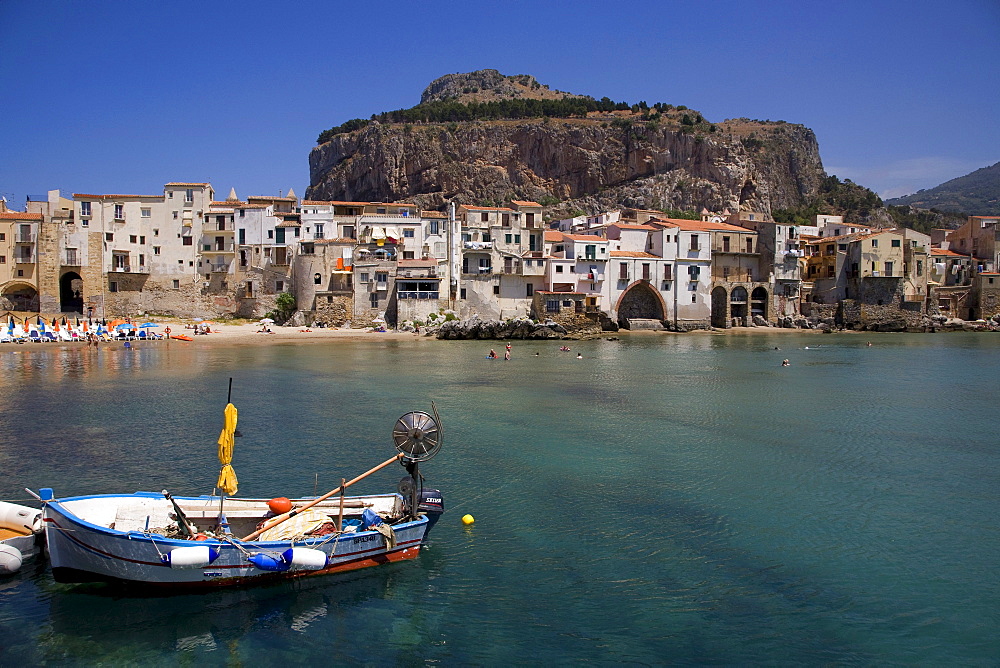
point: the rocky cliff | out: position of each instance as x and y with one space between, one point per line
607 159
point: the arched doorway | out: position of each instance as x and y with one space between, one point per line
19 297
738 305
720 308
71 293
758 302
640 302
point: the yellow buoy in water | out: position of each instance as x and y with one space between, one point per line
468 519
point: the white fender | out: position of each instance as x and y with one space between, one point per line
10 559
195 556
305 558
20 518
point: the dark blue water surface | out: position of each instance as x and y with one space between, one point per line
665 499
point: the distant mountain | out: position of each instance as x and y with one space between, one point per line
976 194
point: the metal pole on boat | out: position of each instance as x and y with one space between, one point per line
340 515
295 511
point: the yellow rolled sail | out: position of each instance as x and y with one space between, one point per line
227 476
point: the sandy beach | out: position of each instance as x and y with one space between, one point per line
249 333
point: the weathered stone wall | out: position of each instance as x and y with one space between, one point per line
334 313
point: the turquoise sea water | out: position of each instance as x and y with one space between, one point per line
665 499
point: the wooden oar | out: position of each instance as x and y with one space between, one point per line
275 521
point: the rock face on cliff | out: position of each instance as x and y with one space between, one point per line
606 160
488 85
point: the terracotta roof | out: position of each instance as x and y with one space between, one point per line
187 184
269 198
433 214
228 202
525 203
287 214
16 215
584 237
418 263
551 292
945 252
289 223
985 217
642 254
553 235
703 226
316 202
632 226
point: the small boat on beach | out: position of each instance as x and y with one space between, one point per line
20 535
158 539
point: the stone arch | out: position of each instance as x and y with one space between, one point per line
720 308
640 301
759 302
71 293
739 306
19 296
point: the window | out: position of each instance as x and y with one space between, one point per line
590 252
279 286
119 212
874 243
531 289
146 213
694 242
156 250
484 217
188 241
750 245
434 227
529 219
177 284
667 272
920 269
888 268
175 214
693 272
645 271
242 213
508 237
381 277
484 265
188 196
559 269
517 238
3 259
505 220
408 233
842 247
725 244
317 279
496 289
170 194
270 234
380 210
694 299
896 243
3 236
318 234
142 240
112 286
408 255
623 271
462 294
487 238
84 208
552 305
133 238
109 236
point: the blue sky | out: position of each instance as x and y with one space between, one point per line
122 97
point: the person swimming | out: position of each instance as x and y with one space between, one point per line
492 355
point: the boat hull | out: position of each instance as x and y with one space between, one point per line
81 551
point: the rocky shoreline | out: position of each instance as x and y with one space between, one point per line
527 329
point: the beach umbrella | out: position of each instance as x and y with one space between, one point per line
227 476
266 321
123 325
149 324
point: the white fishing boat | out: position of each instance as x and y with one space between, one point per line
20 535
215 540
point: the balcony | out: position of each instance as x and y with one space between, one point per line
220 267
131 269
418 295
218 248
23 238
477 245
23 259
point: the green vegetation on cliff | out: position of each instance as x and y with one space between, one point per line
447 111
837 198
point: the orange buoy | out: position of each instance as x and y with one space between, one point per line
201 536
279 505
